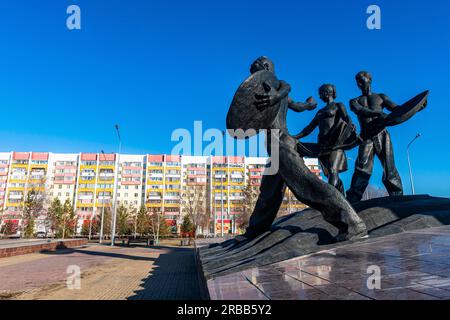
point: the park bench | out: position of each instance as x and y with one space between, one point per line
129 241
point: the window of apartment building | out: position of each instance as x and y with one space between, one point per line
106 174
20 162
106 163
88 163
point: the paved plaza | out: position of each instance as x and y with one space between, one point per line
413 265
163 272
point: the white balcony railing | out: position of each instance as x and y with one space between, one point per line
15 196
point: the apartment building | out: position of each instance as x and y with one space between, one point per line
167 184
5 159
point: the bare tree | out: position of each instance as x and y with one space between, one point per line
33 206
1 223
194 205
250 196
158 225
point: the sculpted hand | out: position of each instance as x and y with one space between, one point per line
271 97
424 105
311 103
265 100
299 136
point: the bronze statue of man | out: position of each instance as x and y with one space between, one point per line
293 172
335 129
377 140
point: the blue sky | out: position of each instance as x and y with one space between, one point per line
154 66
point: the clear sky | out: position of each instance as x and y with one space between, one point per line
154 66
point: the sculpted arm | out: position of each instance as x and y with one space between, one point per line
360 110
309 105
308 129
387 102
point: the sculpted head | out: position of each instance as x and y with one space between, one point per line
262 63
364 81
327 93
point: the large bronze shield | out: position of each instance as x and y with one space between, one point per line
244 119
407 110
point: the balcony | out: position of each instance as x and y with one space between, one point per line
85 196
15 197
18 177
106 175
173 175
37 177
166 197
156 175
87 201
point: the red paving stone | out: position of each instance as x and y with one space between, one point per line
117 273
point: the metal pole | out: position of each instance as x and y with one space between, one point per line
221 204
90 225
224 168
113 234
215 210
288 193
103 206
409 163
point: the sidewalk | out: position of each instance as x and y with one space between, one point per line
163 272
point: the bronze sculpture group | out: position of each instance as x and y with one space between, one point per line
262 102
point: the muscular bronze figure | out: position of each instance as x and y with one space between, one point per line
335 126
377 140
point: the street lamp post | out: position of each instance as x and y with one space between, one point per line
221 203
90 226
409 162
113 233
103 206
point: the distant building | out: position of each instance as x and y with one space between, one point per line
159 182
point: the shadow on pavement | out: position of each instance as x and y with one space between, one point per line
97 253
174 277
